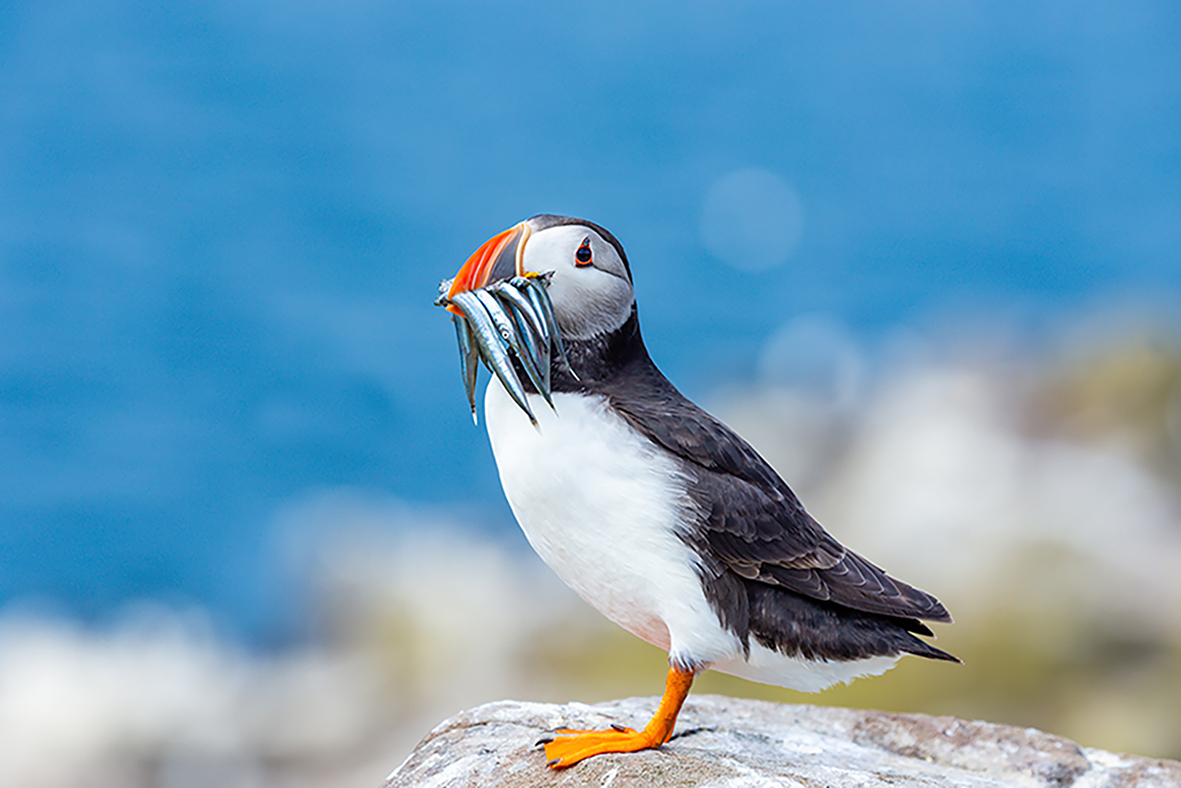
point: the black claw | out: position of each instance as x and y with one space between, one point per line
618 727
543 740
554 762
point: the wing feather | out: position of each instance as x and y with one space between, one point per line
751 520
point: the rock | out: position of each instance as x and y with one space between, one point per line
745 743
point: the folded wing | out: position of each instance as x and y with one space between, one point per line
753 523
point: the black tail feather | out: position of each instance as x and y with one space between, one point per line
796 625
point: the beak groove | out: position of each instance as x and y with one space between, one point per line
500 257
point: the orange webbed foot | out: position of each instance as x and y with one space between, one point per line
566 747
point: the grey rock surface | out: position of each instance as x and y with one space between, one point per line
745 743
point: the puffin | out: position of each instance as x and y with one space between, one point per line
655 512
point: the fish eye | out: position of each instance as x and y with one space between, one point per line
582 258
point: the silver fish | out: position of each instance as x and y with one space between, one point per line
469 360
521 284
533 356
540 299
493 346
503 320
531 333
511 335
444 288
510 291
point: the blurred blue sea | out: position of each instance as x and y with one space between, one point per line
222 225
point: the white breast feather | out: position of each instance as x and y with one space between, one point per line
601 505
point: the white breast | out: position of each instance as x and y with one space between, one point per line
601 505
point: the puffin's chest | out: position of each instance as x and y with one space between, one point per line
600 503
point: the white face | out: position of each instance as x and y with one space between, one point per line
590 289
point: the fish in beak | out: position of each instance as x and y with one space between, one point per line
503 317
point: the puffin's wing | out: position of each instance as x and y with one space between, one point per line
751 519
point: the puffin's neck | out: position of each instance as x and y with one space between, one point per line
599 359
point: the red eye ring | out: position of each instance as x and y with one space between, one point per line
583 257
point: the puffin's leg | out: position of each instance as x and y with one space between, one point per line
568 747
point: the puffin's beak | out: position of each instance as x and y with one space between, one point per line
503 316
498 259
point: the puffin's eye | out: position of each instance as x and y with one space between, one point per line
582 258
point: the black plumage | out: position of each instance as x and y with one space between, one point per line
652 510
768 569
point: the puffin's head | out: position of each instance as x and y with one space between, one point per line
591 286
